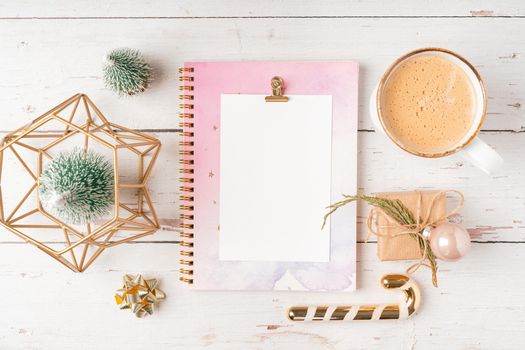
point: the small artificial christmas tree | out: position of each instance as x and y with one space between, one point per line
77 187
126 71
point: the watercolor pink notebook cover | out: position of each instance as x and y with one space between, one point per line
211 79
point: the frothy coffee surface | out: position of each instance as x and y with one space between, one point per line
428 104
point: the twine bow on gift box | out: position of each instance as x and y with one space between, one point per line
399 217
139 294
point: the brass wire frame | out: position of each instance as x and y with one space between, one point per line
136 220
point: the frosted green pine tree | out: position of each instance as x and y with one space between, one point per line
77 187
126 71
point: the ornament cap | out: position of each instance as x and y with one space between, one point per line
426 231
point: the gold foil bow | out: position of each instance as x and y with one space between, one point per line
139 294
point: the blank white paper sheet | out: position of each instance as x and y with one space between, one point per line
275 171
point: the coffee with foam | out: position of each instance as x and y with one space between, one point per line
428 104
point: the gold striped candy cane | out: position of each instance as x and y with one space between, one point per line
402 310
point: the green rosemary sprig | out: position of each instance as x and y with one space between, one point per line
397 211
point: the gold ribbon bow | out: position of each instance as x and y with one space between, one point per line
415 229
139 294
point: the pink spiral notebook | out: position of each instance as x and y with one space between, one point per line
257 176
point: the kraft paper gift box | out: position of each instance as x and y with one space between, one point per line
405 247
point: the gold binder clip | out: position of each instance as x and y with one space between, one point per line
277 91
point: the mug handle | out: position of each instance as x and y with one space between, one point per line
374 117
482 155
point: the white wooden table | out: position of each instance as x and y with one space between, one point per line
50 50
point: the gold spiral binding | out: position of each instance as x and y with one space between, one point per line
185 125
188 226
186 280
186 161
187 170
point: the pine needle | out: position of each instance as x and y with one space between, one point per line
77 187
127 72
397 211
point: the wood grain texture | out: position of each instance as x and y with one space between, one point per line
493 210
51 308
53 49
273 8
49 60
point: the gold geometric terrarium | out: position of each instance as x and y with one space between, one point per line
74 123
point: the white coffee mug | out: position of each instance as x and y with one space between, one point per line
470 146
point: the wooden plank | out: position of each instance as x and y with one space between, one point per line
48 307
493 209
239 8
46 61
487 198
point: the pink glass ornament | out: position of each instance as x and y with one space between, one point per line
449 241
